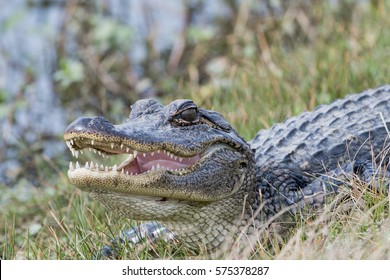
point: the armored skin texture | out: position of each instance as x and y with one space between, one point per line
186 168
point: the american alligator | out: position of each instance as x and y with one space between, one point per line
188 169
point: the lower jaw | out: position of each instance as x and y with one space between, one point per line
142 187
139 207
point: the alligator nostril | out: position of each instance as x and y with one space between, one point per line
243 165
92 124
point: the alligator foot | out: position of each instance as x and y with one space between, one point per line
149 232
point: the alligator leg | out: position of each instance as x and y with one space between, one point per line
375 176
149 231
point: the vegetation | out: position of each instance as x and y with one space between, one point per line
256 70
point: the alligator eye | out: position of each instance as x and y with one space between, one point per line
243 165
189 115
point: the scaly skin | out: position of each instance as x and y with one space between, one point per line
224 185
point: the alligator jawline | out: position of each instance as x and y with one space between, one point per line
136 163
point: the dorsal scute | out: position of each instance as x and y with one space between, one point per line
328 135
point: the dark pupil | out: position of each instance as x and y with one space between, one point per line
189 115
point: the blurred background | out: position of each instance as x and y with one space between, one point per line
257 62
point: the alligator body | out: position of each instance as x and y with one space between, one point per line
186 167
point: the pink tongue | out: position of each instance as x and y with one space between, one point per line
165 164
133 169
164 161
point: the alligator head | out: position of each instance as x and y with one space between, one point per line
183 166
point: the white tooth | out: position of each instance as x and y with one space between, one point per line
144 154
127 173
152 153
129 159
112 145
158 166
171 156
90 149
68 144
71 141
114 168
158 151
81 152
135 152
121 145
87 165
96 165
127 149
76 153
77 165
153 168
180 159
72 152
92 142
91 164
106 169
100 153
123 171
165 151
71 168
94 151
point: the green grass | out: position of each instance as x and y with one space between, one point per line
285 75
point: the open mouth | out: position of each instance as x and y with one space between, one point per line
135 162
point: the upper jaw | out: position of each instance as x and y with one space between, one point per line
141 135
